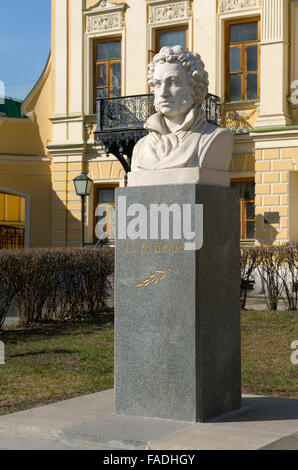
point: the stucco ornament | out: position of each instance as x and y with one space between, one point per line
226 5
182 146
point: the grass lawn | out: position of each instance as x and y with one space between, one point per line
56 361
266 353
64 360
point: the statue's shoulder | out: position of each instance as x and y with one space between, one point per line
213 131
216 147
140 143
138 151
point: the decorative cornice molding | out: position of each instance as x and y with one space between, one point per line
105 22
171 11
30 159
105 16
105 6
237 120
228 5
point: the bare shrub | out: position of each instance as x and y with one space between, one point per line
51 284
288 274
38 273
83 280
97 282
249 261
10 280
270 267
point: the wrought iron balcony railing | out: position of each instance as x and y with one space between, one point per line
11 237
120 122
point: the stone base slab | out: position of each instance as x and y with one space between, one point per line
261 422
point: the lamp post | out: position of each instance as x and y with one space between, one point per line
83 185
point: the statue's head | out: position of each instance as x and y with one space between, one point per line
178 80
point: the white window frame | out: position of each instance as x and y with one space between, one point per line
14 192
119 182
154 25
113 30
222 17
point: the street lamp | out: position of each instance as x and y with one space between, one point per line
83 185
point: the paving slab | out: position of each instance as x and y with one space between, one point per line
123 431
264 414
286 443
211 437
13 442
48 421
261 423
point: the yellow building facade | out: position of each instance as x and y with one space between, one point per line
102 49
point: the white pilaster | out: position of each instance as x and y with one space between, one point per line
274 64
204 21
136 49
61 58
76 57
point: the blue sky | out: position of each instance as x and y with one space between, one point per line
25 42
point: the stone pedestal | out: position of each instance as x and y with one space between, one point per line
177 311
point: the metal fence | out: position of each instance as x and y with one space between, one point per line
11 237
131 112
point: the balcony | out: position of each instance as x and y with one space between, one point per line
120 122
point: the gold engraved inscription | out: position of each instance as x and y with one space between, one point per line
154 278
156 248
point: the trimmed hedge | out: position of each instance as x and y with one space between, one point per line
49 284
57 284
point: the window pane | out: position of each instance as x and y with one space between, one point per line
107 215
116 92
101 93
172 38
250 230
252 58
111 228
101 218
108 50
235 88
243 32
252 86
106 200
250 210
235 59
106 195
246 193
101 75
107 220
116 74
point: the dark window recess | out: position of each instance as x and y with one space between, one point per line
247 208
172 38
105 198
243 32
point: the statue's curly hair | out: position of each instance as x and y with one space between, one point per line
192 62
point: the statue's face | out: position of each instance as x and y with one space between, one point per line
173 94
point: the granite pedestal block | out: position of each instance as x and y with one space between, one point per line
177 312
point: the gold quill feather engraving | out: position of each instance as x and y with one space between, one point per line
154 278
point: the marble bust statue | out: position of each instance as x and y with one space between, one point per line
182 146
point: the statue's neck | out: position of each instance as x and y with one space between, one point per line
174 123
